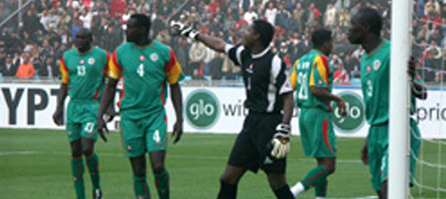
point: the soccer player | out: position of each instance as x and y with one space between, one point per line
147 67
268 93
312 78
83 70
365 30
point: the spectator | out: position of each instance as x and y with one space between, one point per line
245 4
197 53
48 69
341 75
270 13
330 17
26 69
8 68
250 15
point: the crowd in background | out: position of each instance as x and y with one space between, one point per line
32 44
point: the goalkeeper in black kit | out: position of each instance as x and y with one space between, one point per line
263 143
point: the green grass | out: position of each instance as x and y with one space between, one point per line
36 164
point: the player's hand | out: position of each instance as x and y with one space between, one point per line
177 131
182 29
281 141
411 68
365 154
341 107
57 116
102 126
109 113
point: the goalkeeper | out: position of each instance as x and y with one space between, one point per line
270 104
312 78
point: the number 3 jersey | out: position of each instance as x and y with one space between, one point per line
84 73
146 71
311 70
375 77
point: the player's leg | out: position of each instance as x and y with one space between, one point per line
243 156
328 164
378 157
132 136
161 174
89 137
318 141
77 164
156 145
277 182
140 186
229 180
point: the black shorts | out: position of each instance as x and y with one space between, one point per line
250 149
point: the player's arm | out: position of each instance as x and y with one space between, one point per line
214 43
319 84
173 74
114 73
57 116
176 98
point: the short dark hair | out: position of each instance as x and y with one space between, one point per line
265 30
372 18
142 20
320 36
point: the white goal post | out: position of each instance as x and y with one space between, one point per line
398 187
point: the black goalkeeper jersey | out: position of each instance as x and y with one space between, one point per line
264 78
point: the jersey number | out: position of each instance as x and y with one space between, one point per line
89 127
303 89
156 136
369 88
140 70
81 70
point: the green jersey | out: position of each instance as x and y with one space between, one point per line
84 73
375 82
311 70
146 71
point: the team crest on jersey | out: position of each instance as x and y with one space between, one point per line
319 82
376 64
154 57
141 58
81 62
368 69
91 61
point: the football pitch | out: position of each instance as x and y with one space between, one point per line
36 164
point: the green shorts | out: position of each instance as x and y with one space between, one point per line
145 134
317 134
378 142
81 120
415 144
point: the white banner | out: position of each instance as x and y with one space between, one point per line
208 110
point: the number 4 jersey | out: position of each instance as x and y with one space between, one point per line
311 69
146 71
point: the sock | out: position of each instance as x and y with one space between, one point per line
93 167
321 189
314 177
284 193
162 184
297 189
227 191
140 187
77 169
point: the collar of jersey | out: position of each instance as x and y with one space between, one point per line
144 47
383 41
78 52
256 56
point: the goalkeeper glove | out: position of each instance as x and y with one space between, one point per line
281 141
185 30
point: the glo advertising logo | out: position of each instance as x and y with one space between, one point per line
355 110
202 109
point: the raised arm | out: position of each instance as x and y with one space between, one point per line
214 43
